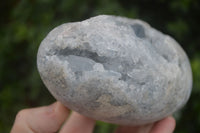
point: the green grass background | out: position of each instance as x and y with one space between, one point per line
24 23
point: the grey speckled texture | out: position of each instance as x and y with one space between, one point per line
115 69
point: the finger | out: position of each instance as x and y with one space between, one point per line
78 124
45 119
134 129
166 125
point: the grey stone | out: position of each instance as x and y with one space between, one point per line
115 69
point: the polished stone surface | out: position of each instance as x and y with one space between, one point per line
115 69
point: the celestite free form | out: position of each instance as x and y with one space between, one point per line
115 69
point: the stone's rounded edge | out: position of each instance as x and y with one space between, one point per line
43 63
188 74
116 17
186 84
186 62
191 81
47 42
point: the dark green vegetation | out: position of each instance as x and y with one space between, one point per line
24 23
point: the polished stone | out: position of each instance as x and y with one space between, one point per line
115 69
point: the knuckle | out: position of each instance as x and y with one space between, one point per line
21 114
19 124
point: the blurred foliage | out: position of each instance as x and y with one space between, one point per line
24 23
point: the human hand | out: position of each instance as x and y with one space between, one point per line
50 119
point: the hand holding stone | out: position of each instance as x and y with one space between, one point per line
115 69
